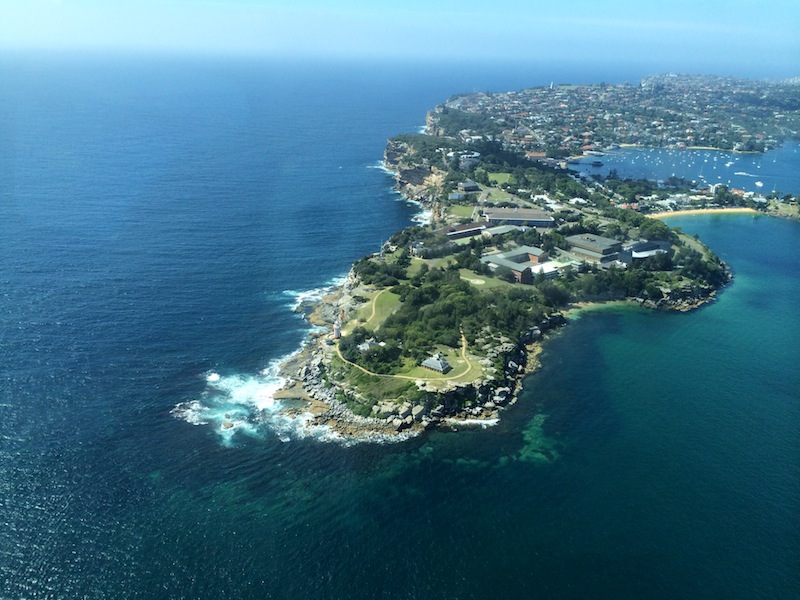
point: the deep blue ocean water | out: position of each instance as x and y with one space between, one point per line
159 219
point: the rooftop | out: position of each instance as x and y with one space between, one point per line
437 362
517 214
595 243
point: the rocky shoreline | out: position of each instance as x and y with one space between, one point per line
319 399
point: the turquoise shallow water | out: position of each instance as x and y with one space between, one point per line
157 222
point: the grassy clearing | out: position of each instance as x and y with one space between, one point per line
482 281
498 195
372 387
380 388
385 304
499 178
381 304
695 245
415 266
783 209
460 211
461 372
463 241
440 263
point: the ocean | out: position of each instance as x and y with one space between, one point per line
159 219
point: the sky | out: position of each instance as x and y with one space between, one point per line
724 37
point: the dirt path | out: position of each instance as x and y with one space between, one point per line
409 377
375 304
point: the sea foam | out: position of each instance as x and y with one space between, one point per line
234 403
299 298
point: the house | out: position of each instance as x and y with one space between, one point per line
521 261
518 216
595 248
468 160
468 186
369 345
437 363
417 248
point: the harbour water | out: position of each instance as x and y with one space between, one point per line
774 171
157 223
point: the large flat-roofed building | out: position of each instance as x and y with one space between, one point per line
643 249
594 247
518 216
456 232
468 186
521 261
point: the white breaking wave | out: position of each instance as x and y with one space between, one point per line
474 422
237 404
423 217
246 404
299 298
232 403
381 166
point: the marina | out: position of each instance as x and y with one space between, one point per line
773 171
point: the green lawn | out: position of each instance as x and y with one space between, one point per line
387 302
482 281
440 263
499 178
783 208
453 356
374 388
460 211
415 266
497 195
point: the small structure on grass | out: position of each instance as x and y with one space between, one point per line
437 363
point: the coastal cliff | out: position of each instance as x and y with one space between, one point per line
417 181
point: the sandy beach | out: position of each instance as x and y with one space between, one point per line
702 211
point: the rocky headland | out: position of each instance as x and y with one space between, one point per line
323 397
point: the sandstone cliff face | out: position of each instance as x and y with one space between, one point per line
418 182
